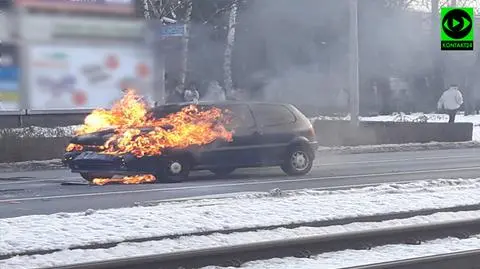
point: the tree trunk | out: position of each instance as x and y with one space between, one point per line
146 9
227 61
186 37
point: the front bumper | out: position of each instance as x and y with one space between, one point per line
68 157
92 162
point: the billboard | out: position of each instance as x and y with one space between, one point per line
98 6
79 27
9 77
86 77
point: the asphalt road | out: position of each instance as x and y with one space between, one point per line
42 192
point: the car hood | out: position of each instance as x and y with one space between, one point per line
99 138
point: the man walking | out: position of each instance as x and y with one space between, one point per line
450 102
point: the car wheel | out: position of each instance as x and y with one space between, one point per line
297 162
174 170
221 172
91 176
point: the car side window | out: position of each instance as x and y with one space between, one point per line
241 117
272 115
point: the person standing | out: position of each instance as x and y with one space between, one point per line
450 102
191 94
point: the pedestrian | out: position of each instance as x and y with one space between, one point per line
450 102
191 94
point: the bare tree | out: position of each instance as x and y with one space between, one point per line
185 39
227 64
427 4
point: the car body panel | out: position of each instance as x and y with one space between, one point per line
258 141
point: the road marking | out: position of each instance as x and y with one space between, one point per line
254 182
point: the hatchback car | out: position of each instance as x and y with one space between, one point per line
265 134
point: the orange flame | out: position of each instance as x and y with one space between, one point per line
128 112
125 180
190 126
72 147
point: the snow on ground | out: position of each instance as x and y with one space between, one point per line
28 233
35 131
350 258
65 257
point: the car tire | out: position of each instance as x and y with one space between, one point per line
91 176
221 172
174 170
298 161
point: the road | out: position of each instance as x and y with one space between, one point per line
42 192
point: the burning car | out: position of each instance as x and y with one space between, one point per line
166 142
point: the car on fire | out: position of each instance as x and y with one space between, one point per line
265 134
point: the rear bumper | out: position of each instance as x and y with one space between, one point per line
314 145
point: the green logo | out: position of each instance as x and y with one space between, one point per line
457 28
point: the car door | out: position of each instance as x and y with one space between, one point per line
243 149
276 125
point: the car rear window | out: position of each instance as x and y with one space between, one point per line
271 115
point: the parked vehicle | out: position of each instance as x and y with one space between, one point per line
266 134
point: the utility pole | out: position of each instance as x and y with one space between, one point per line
353 64
437 55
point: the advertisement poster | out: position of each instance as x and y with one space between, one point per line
99 6
63 77
9 78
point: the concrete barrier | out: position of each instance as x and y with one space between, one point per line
340 133
41 120
17 149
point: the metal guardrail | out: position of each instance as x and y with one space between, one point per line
51 118
299 247
24 112
456 260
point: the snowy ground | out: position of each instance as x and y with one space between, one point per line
28 233
35 131
349 258
65 257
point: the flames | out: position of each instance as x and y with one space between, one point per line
138 133
125 180
190 126
129 112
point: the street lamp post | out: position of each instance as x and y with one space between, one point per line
353 63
